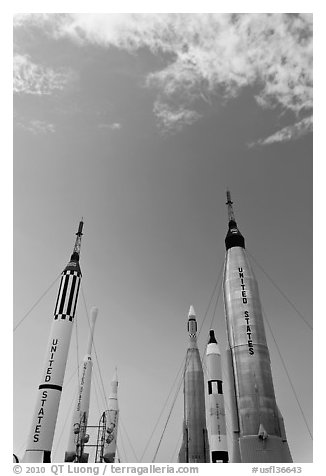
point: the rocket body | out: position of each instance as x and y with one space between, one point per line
257 426
78 427
194 448
41 435
216 408
112 419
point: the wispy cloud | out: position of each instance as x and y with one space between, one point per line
31 78
293 131
36 126
115 126
207 54
172 119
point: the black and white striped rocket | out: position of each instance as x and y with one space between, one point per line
41 435
77 435
257 427
194 448
215 399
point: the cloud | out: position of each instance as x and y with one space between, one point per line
173 119
287 133
207 54
31 78
113 127
36 127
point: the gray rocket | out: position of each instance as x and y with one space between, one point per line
258 429
194 448
39 444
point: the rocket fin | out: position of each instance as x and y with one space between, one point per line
262 433
182 457
253 449
286 449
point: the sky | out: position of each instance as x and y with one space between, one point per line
138 123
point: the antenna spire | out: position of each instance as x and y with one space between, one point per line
76 250
233 237
229 203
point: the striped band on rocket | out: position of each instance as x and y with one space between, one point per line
216 408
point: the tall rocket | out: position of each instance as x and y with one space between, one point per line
112 418
215 398
78 427
194 448
258 430
41 435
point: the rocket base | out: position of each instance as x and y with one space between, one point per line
37 456
271 450
220 457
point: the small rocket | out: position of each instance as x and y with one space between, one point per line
78 427
112 418
194 448
258 430
40 439
216 409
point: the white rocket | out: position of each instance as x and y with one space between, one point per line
257 427
40 439
112 418
216 408
78 427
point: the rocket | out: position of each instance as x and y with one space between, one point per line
78 427
39 444
257 426
216 408
112 418
194 448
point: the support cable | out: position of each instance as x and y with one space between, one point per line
126 433
167 421
36 303
212 295
163 408
122 447
288 376
176 446
100 394
281 292
98 365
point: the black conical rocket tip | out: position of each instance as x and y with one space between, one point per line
212 339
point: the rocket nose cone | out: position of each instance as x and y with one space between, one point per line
191 311
94 312
212 345
115 375
212 339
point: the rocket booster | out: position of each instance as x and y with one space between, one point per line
112 418
257 427
216 409
78 436
194 448
41 435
